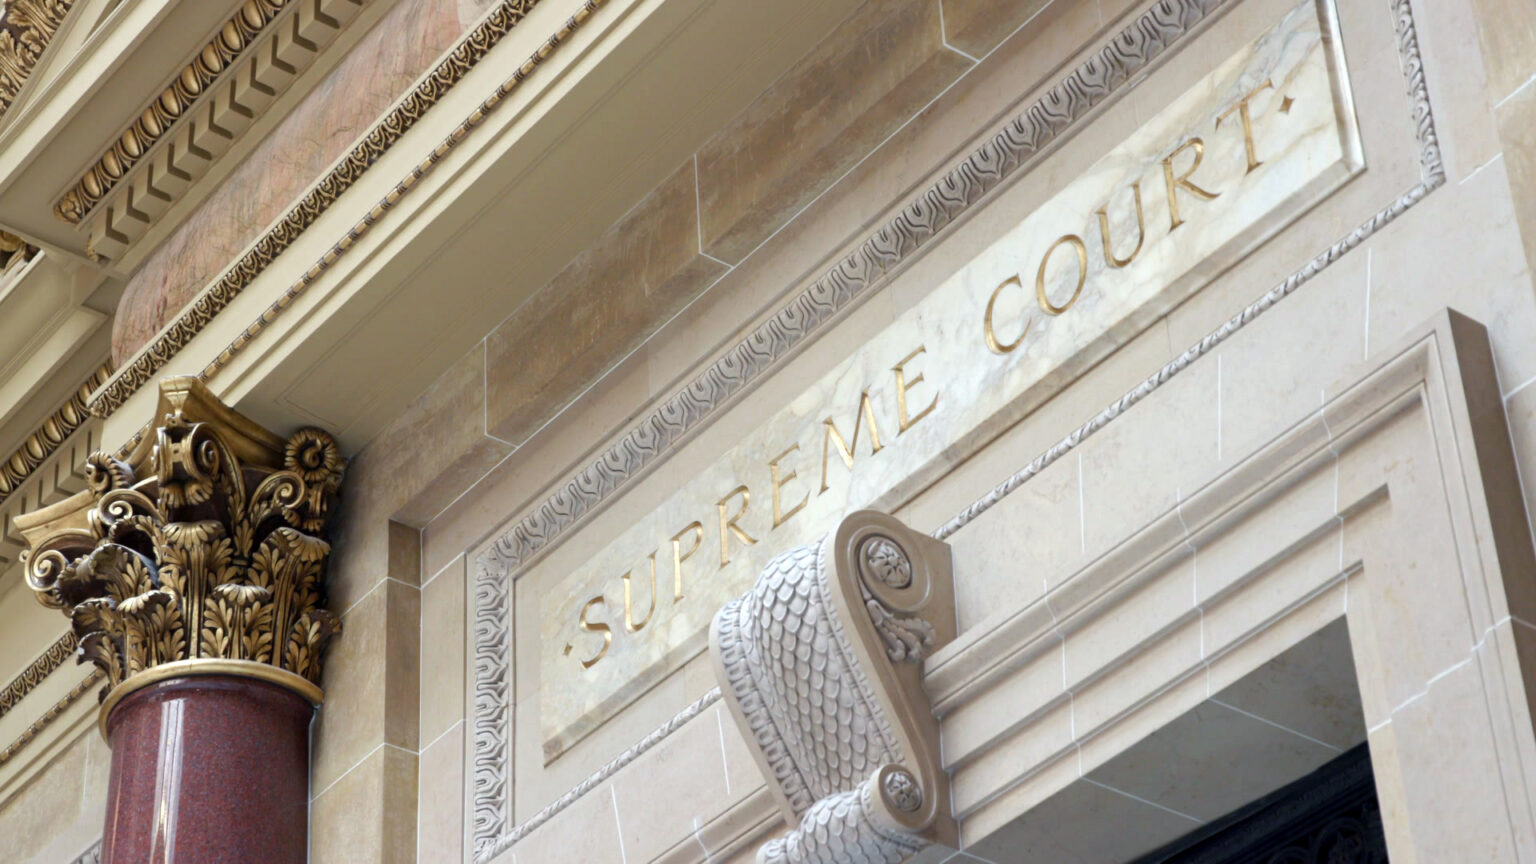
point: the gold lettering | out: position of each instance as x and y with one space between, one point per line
1242 112
865 411
679 556
1082 274
903 423
728 526
779 516
1176 183
1141 232
993 344
629 608
596 627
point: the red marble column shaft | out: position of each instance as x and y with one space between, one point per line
208 768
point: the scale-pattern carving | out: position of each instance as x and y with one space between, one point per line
789 662
843 828
1127 55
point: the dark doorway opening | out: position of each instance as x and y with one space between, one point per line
1327 817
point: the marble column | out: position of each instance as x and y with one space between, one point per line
192 570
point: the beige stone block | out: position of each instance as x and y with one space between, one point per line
1169 660
854 89
1410 568
1458 85
588 830
1231 664
1159 449
663 796
1032 685
442 651
1517 132
1212 759
1273 371
440 810
1450 774
1086 823
1309 689
1027 750
1017 799
1461 249
1520 408
742 776
1146 718
978 26
1507 31
1161 600
45 807
369 815
1008 557
371 682
1295 518
602 306
1282 585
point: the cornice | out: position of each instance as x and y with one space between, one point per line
389 129
190 85
26 28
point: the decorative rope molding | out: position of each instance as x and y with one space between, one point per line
655 737
26 28
920 220
50 715
388 130
1433 176
191 84
36 671
50 435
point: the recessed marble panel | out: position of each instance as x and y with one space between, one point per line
1264 135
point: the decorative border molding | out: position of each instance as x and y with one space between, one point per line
36 671
389 129
51 435
50 715
26 28
191 84
1132 50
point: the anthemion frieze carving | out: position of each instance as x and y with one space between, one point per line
205 545
26 28
471 48
52 658
1087 86
832 639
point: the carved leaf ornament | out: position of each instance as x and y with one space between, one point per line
205 557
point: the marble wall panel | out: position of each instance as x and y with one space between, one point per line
382 65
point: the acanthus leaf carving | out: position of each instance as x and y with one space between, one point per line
204 545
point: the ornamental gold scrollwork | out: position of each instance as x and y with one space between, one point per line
26 28
210 548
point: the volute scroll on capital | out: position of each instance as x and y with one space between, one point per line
821 666
202 552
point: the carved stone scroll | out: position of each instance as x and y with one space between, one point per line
821 665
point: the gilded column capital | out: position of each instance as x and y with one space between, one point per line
202 552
